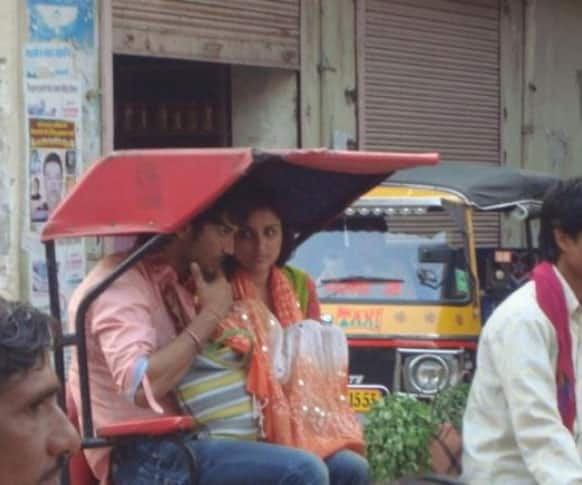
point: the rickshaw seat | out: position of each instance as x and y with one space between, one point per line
147 427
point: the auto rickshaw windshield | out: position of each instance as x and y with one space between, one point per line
373 256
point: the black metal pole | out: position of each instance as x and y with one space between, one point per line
55 306
57 330
82 310
528 234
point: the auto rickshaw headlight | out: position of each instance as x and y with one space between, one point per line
427 374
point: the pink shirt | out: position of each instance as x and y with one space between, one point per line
124 326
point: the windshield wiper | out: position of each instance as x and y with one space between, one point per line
361 279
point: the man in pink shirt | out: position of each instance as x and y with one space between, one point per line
139 348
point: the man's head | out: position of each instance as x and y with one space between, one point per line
561 225
34 433
208 240
53 180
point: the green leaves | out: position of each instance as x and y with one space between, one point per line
398 432
399 429
449 405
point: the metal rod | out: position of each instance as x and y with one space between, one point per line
88 299
57 330
68 339
55 306
528 234
95 442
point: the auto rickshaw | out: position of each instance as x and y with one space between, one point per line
400 272
157 192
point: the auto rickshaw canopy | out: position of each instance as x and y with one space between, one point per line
160 190
484 187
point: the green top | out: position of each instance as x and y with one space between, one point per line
299 281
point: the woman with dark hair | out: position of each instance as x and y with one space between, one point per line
301 382
263 245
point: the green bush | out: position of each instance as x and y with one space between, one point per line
400 428
398 432
449 405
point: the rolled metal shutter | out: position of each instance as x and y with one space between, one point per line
251 32
429 81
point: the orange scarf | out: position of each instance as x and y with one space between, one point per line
309 411
285 303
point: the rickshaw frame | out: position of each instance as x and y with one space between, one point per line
156 206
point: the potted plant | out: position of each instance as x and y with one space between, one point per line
448 408
398 432
408 437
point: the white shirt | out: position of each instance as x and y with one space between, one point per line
512 430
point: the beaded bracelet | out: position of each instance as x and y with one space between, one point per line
195 338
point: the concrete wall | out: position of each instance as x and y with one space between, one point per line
19 239
328 73
264 107
541 95
541 90
552 139
511 80
11 146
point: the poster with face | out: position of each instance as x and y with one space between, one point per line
53 108
51 143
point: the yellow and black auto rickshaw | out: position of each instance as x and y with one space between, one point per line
400 273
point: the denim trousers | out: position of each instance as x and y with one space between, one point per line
229 462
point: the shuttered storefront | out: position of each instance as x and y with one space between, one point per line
428 75
251 32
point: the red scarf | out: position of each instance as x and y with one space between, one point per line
552 300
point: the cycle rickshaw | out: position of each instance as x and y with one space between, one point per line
158 191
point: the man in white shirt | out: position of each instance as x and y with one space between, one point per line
515 429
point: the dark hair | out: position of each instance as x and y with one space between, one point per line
561 209
226 204
24 338
53 157
253 199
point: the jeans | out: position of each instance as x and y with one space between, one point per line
228 462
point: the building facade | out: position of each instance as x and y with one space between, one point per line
488 81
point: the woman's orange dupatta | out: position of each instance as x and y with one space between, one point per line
309 410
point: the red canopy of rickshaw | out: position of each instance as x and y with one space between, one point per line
158 191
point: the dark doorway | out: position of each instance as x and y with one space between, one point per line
168 103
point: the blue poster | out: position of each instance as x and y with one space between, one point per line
63 20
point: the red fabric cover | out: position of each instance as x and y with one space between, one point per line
164 188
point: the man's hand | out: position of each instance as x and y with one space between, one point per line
215 296
169 364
